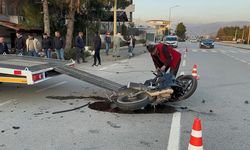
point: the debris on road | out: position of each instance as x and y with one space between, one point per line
16 127
246 102
203 101
68 110
113 124
211 110
37 114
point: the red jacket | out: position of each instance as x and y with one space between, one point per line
165 53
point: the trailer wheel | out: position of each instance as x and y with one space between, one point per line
133 103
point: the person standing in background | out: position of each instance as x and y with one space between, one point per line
97 46
32 45
47 45
19 44
107 42
3 46
117 43
59 44
130 46
80 47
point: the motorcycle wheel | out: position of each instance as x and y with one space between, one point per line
189 85
133 103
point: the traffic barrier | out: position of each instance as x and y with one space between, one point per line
195 72
195 142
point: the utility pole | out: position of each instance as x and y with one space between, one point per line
169 17
115 17
46 17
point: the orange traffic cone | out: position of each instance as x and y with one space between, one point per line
194 72
195 142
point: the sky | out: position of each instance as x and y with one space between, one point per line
193 11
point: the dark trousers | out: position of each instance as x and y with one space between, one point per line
175 70
80 54
97 57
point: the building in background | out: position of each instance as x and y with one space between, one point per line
160 26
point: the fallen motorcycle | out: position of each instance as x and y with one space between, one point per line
162 89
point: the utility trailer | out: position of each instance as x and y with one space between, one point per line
33 70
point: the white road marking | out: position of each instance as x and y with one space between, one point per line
243 61
184 63
185 55
204 51
214 51
52 86
222 51
182 73
194 50
5 103
174 136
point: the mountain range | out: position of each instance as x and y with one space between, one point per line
211 28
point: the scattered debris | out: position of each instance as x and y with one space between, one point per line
211 110
71 103
94 131
145 143
16 127
37 114
203 101
184 107
68 110
113 124
2 131
246 102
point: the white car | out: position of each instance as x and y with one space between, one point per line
171 40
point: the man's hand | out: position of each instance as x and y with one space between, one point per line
163 68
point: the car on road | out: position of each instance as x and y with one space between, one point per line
207 43
171 40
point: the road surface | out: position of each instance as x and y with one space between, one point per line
221 102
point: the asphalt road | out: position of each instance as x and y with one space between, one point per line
27 122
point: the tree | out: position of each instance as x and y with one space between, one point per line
31 21
46 17
73 6
181 30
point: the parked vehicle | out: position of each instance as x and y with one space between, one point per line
171 40
207 43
